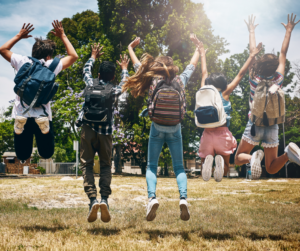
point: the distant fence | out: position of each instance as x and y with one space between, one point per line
59 168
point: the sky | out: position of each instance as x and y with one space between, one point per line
227 19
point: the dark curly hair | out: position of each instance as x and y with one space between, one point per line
218 80
265 66
107 71
43 48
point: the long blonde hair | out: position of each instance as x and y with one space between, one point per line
150 67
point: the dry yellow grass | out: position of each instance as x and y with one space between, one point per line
50 214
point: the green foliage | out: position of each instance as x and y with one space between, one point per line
60 155
6 132
42 170
36 157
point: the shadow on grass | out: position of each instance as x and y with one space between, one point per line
41 228
155 234
104 231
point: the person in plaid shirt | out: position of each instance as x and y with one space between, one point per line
96 138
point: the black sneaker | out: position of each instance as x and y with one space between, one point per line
94 207
104 208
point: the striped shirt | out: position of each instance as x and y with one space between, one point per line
88 79
276 79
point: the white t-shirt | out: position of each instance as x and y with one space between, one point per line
17 61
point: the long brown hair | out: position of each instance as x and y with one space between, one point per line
150 67
265 66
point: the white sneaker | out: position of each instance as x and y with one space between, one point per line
184 211
43 124
206 167
219 170
19 124
151 209
255 164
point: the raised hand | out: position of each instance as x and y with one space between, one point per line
26 29
134 43
250 25
59 29
124 62
198 44
256 50
96 51
291 22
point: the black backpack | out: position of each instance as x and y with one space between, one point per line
99 101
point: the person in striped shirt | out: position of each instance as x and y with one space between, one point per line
272 68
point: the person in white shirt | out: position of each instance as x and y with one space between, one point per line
38 120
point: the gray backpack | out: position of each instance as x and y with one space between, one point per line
267 109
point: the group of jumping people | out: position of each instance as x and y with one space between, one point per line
35 86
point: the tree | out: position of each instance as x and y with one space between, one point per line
6 131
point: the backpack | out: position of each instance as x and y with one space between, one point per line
267 109
35 84
166 101
209 109
99 100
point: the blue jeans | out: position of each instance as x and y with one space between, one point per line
172 136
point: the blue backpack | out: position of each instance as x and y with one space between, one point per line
35 83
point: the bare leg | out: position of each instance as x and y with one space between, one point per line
226 164
274 163
242 155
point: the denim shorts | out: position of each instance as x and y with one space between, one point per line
268 135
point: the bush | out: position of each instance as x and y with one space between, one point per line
42 170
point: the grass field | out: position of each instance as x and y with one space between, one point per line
50 214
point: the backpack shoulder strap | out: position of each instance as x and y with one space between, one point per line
95 81
35 60
54 64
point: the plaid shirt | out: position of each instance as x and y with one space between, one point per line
88 79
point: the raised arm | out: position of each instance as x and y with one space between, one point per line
87 69
124 66
203 63
132 55
195 58
60 33
251 28
24 33
242 72
285 45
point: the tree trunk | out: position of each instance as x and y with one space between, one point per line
166 169
117 159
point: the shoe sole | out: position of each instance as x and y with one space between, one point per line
105 216
295 149
42 122
152 214
219 171
21 121
206 172
184 215
93 214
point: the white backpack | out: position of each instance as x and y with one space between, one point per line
209 109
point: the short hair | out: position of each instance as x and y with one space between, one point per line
107 71
266 65
43 48
218 80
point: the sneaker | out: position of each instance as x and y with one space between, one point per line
255 164
94 207
219 170
19 124
43 124
184 211
104 208
206 167
151 209
293 153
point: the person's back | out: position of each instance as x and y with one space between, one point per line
30 120
149 74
